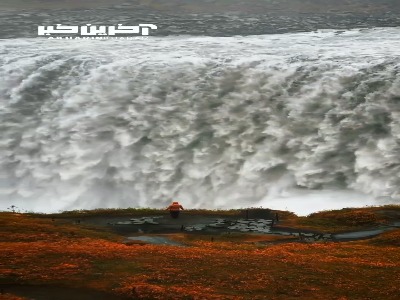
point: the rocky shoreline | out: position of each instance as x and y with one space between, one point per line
156 229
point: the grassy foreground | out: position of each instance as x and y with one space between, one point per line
37 250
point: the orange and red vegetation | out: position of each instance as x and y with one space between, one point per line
236 238
39 251
344 219
389 238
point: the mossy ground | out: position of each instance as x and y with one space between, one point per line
49 250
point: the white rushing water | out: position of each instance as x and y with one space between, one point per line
304 122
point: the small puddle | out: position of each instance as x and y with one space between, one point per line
358 234
395 224
157 240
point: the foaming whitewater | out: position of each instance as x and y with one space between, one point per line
304 122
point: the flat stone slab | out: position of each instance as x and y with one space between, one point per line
138 221
124 223
195 228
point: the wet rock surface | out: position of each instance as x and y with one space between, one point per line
241 225
195 223
206 225
144 230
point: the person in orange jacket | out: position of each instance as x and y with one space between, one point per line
174 209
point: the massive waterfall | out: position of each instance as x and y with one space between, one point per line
212 122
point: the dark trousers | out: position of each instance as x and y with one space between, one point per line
174 213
